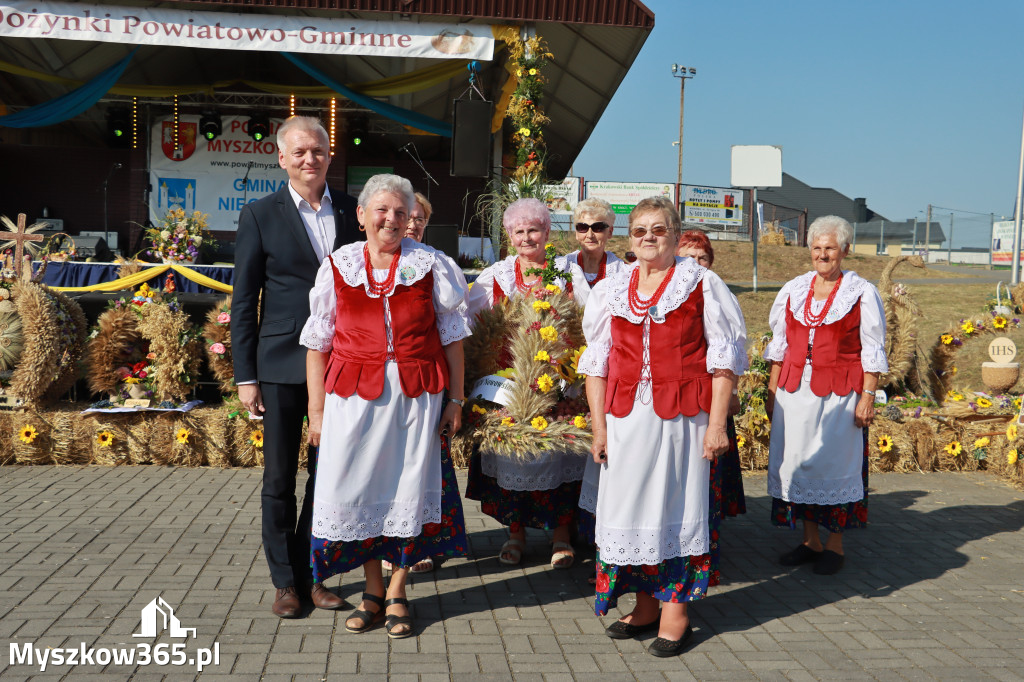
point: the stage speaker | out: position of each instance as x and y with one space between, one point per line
444 238
92 247
471 138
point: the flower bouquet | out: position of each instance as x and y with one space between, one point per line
531 344
217 340
180 236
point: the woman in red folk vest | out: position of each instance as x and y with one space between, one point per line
665 339
385 337
827 351
541 493
696 245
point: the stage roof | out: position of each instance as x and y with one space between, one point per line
593 43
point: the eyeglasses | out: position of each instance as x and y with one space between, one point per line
598 228
639 232
418 221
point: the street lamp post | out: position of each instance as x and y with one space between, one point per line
682 73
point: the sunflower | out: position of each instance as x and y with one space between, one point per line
539 423
885 443
999 322
27 433
954 396
981 442
1011 457
740 441
104 439
983 402
182 435
968 327
947 339
954 448
579 421
256 438
1011 432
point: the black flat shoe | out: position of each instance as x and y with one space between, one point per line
801 555
829 563
623 630
391 622
667 648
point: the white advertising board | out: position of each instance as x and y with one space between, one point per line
252 31
563 197
1002 243
756 165
712 205
623 196
217 176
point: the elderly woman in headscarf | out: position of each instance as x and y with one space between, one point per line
543 492
594 220
665 339
827 352
696 245
385 342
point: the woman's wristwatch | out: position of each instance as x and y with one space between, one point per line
867 392
460 403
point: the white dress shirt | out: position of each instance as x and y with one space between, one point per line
319 224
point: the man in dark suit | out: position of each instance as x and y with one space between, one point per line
281 241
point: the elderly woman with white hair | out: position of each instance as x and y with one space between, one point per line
827 352
387 319
541 493
595 221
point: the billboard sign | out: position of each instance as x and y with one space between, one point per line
712 205
623 196
1002 243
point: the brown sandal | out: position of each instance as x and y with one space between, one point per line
368 618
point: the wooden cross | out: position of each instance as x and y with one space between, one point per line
19 236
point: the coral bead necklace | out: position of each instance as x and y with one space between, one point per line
372 285
815 320
638 306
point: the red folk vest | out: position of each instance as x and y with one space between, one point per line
359 350
679 374
835 360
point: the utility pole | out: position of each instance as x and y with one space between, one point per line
915 236
1015 250
682 73
991 237
927 233
881 240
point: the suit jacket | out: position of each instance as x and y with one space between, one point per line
273 254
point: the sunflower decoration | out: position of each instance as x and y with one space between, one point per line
954 448
885 443
983 402
980 448
1011 432
946 339
1011 457
999 322
27 433
182 435
104 439
955 396
256 439
968 327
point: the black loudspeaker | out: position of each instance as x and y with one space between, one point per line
444 238
471 138
92 247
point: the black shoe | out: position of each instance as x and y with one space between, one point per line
622 630
801 555
829 563
667 648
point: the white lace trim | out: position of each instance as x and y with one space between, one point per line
874 360
850 291
816 492
594 360
687 277
414 263
504 273
645 546
776 349
588 496
400 518
548 472
725 354
453 325
317 333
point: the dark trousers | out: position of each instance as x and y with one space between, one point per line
286 540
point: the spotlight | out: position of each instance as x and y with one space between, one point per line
119 126
357 131
259 127
209 125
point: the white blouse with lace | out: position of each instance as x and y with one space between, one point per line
379 465
481 295
652 495
613 265
816 451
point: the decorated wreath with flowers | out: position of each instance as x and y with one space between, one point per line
534 342
143 347
953 339
217 342
180 236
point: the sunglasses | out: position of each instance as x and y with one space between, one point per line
639 232
598 228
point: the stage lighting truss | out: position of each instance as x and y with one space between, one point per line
210 125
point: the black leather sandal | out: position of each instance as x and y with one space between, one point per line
392 621
368 618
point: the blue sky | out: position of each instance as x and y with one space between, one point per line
904 102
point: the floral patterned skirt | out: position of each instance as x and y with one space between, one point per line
517 509
733 501
675 580
446 539
834 517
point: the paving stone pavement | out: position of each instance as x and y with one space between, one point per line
932 590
